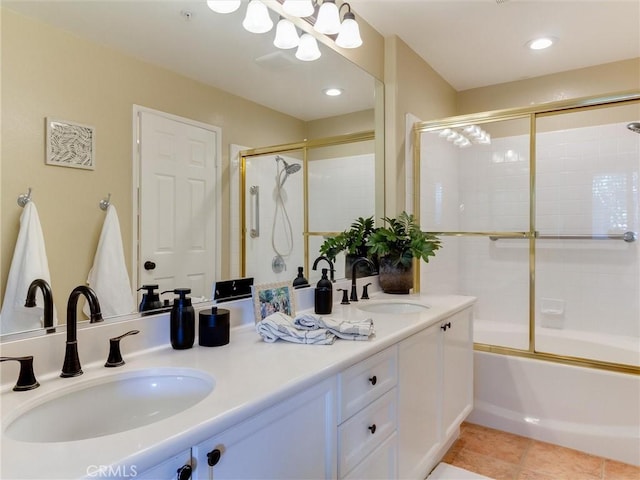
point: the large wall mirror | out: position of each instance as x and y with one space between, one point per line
92 63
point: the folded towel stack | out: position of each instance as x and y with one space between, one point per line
312 329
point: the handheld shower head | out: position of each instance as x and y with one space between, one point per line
634 127
289 168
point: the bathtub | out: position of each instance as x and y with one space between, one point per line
590 410
570 343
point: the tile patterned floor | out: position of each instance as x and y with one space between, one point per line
505 456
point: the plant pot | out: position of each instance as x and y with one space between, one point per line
395 278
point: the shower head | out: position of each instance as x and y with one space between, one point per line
289 169
634 127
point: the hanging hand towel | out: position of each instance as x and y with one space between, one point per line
280 326
358 330
28 264
108 276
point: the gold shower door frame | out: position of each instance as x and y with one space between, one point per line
532 114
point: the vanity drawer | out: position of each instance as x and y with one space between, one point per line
362 383
362 433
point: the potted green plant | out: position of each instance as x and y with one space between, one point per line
352 241
396 245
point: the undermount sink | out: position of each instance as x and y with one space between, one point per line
111 405
393 307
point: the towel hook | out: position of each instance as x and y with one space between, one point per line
105 202
24 198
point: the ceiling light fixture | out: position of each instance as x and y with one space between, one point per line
257 19
328 21
541 43
308 48
223 6
333 92
286 35
299 8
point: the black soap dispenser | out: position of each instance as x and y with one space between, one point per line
300 281
150 299
324 295
183 320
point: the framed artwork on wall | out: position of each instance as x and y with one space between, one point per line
70 144
270 298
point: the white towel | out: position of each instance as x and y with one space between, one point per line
358 330
28 264
280 326
108 277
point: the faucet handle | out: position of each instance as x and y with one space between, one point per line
365 292
26 377
345 296
115 357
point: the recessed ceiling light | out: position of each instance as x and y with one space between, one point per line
332 92
541 43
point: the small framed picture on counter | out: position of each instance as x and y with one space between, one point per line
270 298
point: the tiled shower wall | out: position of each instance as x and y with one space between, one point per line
586 183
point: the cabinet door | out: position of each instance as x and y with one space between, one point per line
419 391
458 371
296 440
167 470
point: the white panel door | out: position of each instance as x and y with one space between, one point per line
177 204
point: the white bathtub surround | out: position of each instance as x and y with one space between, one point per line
594 411
248 375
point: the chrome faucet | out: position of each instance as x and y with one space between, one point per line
71 366
372 268
47 296
331 269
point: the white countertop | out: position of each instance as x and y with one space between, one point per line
250 376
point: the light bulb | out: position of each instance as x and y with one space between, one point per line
298 8
349 35
328 21
286 35
223 6
257 19
308 49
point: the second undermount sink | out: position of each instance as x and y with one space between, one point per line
393 307
111 405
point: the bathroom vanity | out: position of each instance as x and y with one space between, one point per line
384 408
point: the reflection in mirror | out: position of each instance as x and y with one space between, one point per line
286 222
59 60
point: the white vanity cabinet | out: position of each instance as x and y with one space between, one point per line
292 440
435 391
367 415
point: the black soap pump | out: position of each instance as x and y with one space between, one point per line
183 320
150 299
324 294
300 281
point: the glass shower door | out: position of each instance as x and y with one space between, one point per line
587 301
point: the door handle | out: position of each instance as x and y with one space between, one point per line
149 265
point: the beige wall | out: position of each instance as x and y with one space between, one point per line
585 82
42 75
411 86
